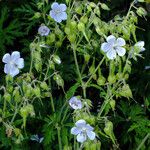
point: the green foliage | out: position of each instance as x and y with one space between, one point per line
69 62
9 30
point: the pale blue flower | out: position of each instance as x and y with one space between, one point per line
58 12
75 103
140 46
113 46
83 131
37 138
13 63
43 30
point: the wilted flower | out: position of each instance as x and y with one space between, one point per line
58 12
43 30
147 67
13 63
37 138
113 46
140 45
75 103
83 131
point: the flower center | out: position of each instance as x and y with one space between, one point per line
57 11
11 62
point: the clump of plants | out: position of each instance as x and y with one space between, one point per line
79 70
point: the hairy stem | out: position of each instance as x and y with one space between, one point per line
143 141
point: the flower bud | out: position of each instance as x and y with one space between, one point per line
108 128
37 15
81 27
101 80
141 12
73 25
56 59
126 91
67 30
59 80
92 4
44 86
16 94
78 9
84 19
58 44
7 97
97 11
72 38
112 104
10 88
37 92
104 6
111 79
51 65
119 76
9 79
86 58
50 38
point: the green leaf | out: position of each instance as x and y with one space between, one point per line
72 90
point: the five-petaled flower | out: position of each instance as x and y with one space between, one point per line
75 103
113 46
58 12
140 46
13 63
43 30
83 131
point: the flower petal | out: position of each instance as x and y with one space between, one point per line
57 18
15 55
121 51
20 63
111 54
111 39
7 68
63 7
52 14
6 58
121 42
55 5
91 135
75 131
75 103
89 128
13 71
106 47
63 15
43 30
80 123
81 137
140 44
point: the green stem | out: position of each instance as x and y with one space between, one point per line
103 106
59 138
132 4
95 71
51 97
4 108
78 71
65 114
31 65
76 63
52 102
143 141
16 111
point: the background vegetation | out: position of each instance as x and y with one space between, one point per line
18 28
